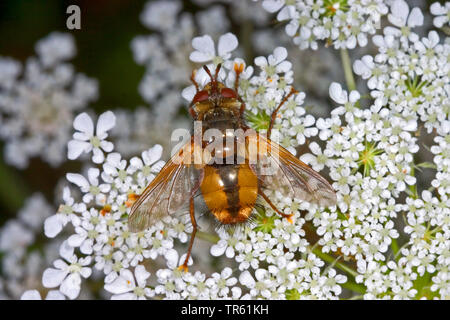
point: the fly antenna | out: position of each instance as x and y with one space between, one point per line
217 71
208 72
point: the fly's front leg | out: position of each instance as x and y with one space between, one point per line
184 266
191 106
275 112
193 81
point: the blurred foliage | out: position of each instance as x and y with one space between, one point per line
103 52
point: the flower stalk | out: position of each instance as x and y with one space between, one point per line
347 65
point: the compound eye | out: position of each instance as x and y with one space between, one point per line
228 93
201 96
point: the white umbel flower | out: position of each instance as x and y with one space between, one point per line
85 140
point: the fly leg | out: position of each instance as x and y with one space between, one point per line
191 109
193 80
184 266
275 112
287 216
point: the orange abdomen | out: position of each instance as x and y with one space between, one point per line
230 192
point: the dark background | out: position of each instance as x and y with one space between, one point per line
103 53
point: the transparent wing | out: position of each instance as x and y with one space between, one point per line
278 170
167 193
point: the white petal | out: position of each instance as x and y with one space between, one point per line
98 156
84 124
153 154
218 249
280 53
415 18
378 40
261 61
354 96
86 272
55 295
171 257
86 246
434 38
286 13
230 253
291 29
78 179
60 264
31 295
236 292
227 43
53 226
308 121
106 121
361 69
75 148
124 296
141 275
71 286
399 14
75 240
284 66
307 158
51 278
260 274
120 284
273 5
226 273
437 9
81 136
188 93
337 94
439 21
246 279
200 57
93 174
107 145
136 163
66 251
204 44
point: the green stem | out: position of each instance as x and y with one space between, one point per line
346 64
413 186
330 259
353 286
394 247
207 236
350 284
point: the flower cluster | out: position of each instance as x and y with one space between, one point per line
371 157
341 23
22 264
275 261
385 148
37 104
442 13
409 75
